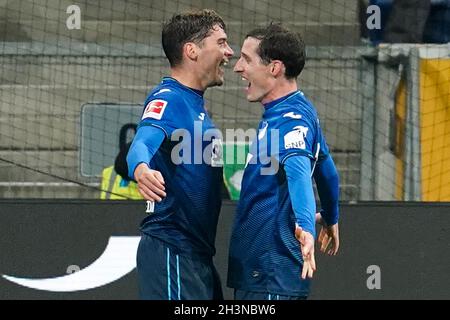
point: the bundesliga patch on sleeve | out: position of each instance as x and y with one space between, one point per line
154 109
296 138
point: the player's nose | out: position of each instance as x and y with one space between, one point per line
229 52
238 66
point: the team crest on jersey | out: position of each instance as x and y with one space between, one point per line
154 109
296 138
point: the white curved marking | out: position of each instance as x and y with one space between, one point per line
236 179
292 115
118 259
262 131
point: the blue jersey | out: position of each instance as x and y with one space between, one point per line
189 160
264 253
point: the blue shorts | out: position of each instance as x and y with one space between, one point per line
250 295
165 275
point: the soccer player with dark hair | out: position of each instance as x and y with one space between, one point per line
174 259
272 243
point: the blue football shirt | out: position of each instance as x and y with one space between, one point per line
189 160
264 253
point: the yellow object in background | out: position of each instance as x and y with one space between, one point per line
435 129
399 152
119 189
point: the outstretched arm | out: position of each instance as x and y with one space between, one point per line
298 172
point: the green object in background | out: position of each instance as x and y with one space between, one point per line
234 158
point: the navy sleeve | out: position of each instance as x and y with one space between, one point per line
147 141
298 173
327 181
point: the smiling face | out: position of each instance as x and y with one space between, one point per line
252 69
214 53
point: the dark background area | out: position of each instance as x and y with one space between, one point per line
409 242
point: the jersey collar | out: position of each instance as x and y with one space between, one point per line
272 104
175 81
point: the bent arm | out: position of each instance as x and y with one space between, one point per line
327 181
145 144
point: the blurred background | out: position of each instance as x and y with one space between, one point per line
74 75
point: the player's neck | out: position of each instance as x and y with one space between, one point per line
280 89
187 78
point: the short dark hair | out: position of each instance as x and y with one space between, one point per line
191 26
279 43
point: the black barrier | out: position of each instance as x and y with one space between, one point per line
388 251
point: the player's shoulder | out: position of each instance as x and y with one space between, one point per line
299 104
163 99
297 111
165 91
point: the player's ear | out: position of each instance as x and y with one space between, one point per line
276 68
190 49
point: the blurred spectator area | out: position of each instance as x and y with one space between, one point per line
408 21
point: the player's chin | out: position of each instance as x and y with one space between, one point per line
219 81
252 98
215 83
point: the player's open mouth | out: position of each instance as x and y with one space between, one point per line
223 64
249 83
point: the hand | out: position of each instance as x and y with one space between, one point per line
306 240
150 183
328 236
